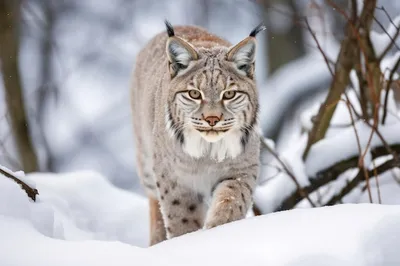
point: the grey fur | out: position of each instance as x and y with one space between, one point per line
201 179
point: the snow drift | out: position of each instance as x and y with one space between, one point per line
81 219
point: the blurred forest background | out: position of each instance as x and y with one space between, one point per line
66 69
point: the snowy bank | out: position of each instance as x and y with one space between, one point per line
81 219
78 206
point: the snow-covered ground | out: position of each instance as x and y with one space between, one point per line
85 218
82 219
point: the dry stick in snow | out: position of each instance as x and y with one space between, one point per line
303 193
31 192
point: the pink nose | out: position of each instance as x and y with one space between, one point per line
212 120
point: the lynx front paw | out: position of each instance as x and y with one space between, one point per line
225 211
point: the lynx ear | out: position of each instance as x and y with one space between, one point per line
243 54
179 52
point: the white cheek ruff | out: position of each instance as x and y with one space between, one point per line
228 146
195 145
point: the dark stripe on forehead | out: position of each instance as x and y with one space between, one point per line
206 61
215 75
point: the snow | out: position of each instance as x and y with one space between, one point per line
279 91
82 218
47 232
80 206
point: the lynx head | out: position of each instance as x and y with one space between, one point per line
213 100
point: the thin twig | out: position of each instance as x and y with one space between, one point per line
304 194
379 134
361 161
319 46
392 39
378 188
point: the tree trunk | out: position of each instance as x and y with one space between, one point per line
9 45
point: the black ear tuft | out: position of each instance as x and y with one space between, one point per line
257 29
170 29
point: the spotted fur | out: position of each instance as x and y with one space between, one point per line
195 107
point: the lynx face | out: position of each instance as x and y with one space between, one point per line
212 97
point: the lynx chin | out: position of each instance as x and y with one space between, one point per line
195 108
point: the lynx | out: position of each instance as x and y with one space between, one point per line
195 107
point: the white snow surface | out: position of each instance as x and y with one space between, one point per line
81 219
78 206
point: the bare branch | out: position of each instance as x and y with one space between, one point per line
319 46
31 192
393 40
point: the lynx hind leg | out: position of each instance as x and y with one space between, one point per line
157 228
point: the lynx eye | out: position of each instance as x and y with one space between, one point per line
229 95
194 94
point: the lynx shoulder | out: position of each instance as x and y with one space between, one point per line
195 109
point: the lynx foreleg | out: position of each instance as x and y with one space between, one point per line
232 197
